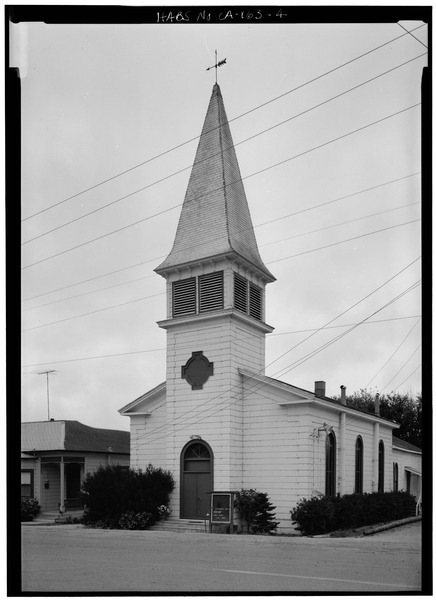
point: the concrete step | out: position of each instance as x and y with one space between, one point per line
180 525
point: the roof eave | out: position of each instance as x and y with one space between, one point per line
261 271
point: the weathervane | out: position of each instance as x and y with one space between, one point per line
216 65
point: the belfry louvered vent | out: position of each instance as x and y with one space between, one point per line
184 297
255 302
211 291
241 293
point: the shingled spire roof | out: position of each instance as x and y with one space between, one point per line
215 218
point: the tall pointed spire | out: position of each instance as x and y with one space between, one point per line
215 218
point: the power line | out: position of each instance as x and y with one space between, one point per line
292 237
399 371
100 356
414 36
56 362
222 152
208 415
342 241
301 342
407 378
93 312
226 186
261 246
305 358
275 334
229 121
241 231
393 354
109 287
268 263
65 287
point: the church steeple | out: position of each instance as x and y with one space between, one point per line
215 219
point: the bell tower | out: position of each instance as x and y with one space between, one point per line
215 308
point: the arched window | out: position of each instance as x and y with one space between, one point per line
330 465
358 468
395 477
381 466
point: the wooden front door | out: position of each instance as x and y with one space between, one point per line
73 483
196 484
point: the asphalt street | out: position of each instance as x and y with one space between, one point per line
71 558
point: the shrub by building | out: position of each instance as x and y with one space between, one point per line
120 497
324 514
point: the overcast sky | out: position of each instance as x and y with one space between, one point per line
332 178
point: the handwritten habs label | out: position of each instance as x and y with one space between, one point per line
205 16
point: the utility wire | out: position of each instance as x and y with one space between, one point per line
100 356
241 231
341 242
268 263
92 312
376 214
414 36
261 246
233 183
305 358
229 121
208 415
407 378
393 354
313 353
55 362
399 371
275 334
90 292
299 343
222 152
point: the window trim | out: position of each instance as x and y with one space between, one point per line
395 476
330 465
358 466
381 466
32 479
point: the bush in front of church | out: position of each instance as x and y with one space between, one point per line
324 514
114 496
256 512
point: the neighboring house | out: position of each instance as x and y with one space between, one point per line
57 455
218 423
407 468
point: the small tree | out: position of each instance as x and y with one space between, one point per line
256 511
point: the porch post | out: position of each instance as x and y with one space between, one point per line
62 486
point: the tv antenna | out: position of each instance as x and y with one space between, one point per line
47 373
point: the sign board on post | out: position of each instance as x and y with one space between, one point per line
221 510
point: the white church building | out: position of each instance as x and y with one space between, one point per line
217 422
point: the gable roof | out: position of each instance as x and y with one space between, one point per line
307 396
72 436
403 445
138 405
215 219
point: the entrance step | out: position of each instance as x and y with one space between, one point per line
181 525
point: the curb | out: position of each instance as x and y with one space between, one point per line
391 525
369 530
